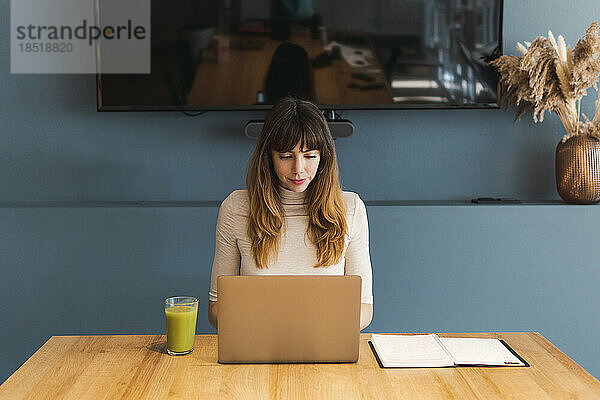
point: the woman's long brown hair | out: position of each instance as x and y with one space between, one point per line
292 121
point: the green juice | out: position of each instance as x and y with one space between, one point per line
181 328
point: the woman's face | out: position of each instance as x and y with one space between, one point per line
296 169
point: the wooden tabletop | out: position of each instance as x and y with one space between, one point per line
235 82
137 367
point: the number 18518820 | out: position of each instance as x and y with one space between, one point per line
46 47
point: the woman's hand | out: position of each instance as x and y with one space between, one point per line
366 315
212 313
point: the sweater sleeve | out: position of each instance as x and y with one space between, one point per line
358 260
227 254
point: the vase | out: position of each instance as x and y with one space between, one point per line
578 169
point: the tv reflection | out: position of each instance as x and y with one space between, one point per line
405 53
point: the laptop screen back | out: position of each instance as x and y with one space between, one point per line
287 319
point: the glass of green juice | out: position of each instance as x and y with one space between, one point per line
181 313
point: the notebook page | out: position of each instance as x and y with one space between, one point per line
407 350
479 351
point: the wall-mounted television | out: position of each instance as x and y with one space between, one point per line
341 54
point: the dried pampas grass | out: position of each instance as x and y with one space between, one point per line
586 61
550 76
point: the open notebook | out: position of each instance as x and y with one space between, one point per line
434 351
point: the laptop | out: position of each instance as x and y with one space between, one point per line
288 318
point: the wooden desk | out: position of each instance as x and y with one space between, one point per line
236 81
110 367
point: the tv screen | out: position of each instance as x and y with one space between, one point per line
340 54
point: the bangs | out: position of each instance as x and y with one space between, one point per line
298 128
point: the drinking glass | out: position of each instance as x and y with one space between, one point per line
181 313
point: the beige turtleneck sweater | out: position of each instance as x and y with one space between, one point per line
297 255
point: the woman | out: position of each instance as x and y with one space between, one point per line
294 218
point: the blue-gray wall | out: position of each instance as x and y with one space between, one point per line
73 260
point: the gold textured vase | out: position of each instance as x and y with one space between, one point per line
578 169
